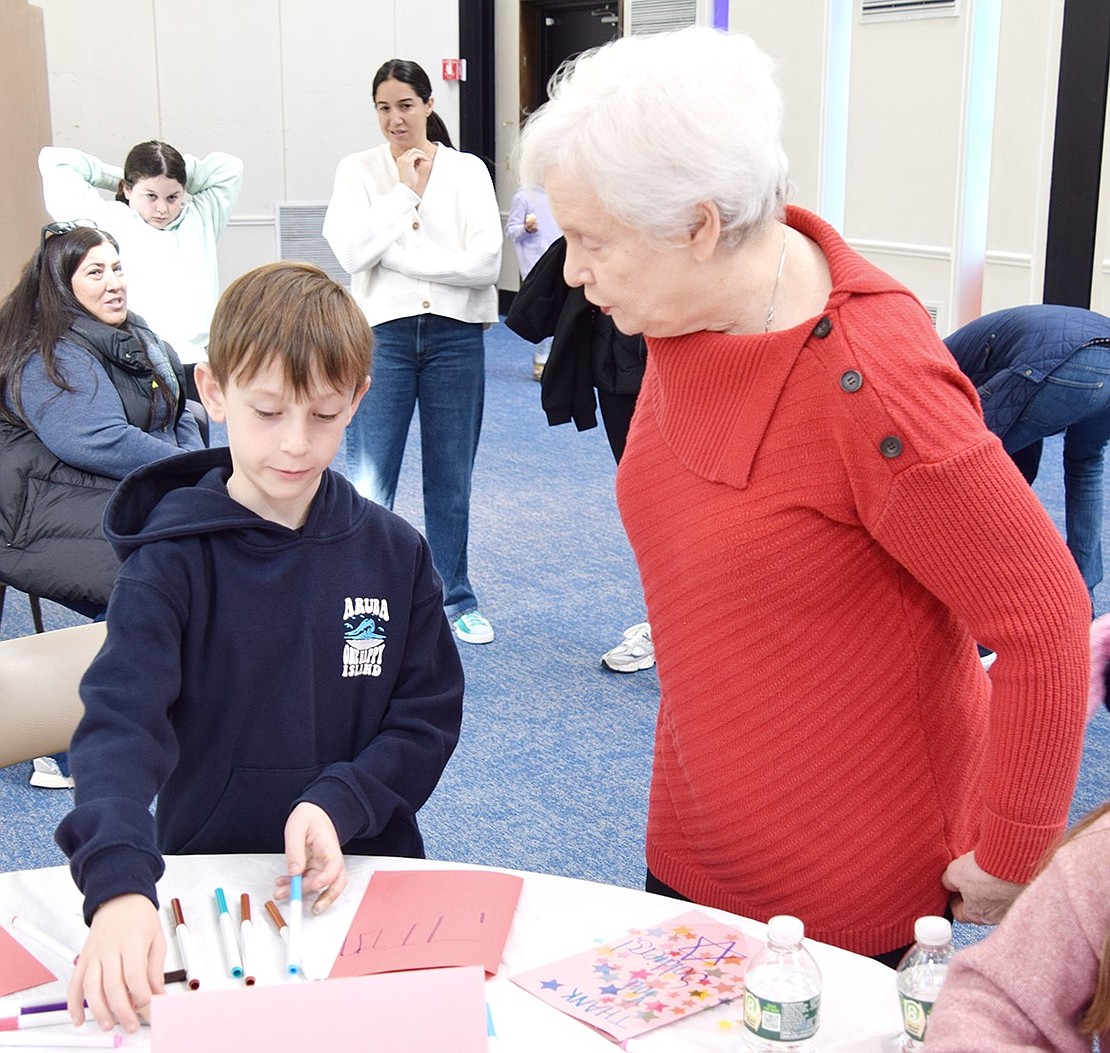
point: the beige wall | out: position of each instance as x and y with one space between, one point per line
908 198
288 91
907 191
24 120
285 85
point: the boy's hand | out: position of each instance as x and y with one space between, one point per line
312 849
120 966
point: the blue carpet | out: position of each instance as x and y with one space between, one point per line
552 770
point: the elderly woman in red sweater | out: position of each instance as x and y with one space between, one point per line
824 527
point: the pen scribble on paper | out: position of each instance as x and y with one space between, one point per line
418 933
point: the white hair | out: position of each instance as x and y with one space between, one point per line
656 125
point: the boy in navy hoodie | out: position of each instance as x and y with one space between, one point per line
278 668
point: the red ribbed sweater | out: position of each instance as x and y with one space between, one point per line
824 527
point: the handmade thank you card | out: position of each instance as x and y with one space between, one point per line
648 977
427 919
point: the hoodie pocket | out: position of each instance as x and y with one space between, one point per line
251 813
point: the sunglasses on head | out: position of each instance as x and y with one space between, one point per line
52 230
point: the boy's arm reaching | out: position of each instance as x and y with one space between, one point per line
120 966
121 754
312 849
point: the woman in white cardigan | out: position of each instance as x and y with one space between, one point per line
167 213
416 223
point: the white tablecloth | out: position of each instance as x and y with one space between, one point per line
556 917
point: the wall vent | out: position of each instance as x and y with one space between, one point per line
299 237
933 307
659 16
888 10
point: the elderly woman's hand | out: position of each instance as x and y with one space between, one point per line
977 897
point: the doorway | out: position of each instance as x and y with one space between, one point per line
551 31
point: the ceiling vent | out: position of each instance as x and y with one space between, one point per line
889 10
299 226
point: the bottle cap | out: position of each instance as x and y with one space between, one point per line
932 930
784 929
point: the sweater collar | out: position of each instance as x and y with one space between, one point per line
714 393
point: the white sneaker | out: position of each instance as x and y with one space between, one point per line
472 627
633 653
45 772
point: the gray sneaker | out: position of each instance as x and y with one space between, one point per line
633 653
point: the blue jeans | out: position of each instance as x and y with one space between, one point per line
1075 399
440 364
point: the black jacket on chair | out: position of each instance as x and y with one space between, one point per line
52 543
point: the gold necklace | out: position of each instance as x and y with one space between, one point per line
775 290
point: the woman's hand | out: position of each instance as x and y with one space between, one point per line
977 897
120 966
413 168
312 849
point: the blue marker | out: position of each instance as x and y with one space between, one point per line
492 1042
294 945
227 930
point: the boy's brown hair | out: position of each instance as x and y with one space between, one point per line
295 314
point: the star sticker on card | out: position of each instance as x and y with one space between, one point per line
638 983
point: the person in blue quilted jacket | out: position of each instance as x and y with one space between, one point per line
1043 369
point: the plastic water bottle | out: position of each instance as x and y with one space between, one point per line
782 991
920 974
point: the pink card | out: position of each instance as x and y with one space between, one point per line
19 969
423 919
423 1012
648 977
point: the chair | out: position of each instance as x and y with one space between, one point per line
200 415
39 677
32 600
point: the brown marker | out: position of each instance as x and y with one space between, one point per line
246 931
181 931
279 921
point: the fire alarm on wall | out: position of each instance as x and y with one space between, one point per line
454 69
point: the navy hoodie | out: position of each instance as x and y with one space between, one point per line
249 667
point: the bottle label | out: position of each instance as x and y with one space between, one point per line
915 1016
781 1021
